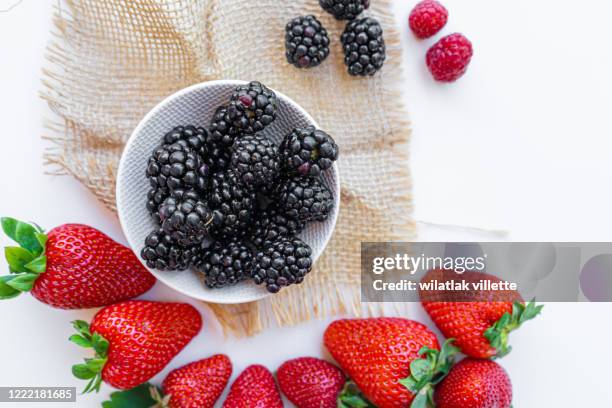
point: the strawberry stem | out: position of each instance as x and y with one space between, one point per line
428 371
351 397
92 368
498 333
26 261
144 396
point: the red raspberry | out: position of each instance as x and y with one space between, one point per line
427 18
449 58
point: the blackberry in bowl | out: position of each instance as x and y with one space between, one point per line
185 217
255 160
272 224
225 264
233 206
252 107
161 252
304 199
308 151
177 167
283 262
184 120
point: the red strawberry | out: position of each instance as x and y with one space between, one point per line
195 385
479 321
310 382
254 388
199 384
133 340
475 384
393 361
71 267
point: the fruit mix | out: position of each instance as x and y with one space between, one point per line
307 41
383 362
230 203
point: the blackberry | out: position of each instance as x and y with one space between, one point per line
219 156
282 263
344 9
253 106
364 46
155 197
306 41
185 218
305 199
213 154
163 253
308 151
190 136
232 205
225 264
255 160
271 225
222 132
177 167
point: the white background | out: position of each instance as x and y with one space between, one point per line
522 143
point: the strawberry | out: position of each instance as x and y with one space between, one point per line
73 266
199 384
475 383
254 388
195 385
393 361
479 321
133 341
310 382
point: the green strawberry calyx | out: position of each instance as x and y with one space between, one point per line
428 371
91 369
499 332
26 261
351 397
144 396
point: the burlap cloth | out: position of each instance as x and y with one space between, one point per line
112 60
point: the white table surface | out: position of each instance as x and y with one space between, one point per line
522 143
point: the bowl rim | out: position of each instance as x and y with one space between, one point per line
131 140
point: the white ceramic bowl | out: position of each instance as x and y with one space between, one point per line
195 105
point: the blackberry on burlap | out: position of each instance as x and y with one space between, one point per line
163 253
308 151
304 198
255 160
283 262
306 42
232 204
364 46
344 9
225 263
